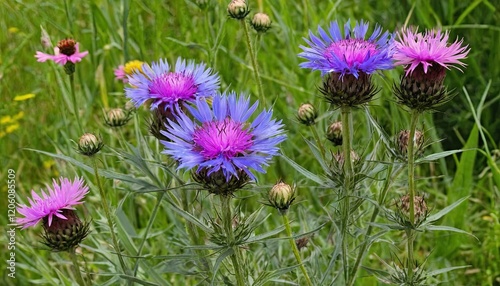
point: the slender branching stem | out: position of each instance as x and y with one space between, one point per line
76 267
227 218
107 212
318 140
411 189
159 198
75 105
253 58
295 250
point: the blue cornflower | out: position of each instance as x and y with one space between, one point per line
166 88
352 54
221 139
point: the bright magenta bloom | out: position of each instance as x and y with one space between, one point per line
61 197
66 51
414 49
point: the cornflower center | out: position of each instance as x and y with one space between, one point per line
353 51
173 87
227 138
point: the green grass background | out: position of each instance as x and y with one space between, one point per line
179 28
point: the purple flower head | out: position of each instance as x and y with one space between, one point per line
221 137
168 88
66 51
414 49
351 54
61 197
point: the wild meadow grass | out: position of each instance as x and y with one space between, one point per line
169 231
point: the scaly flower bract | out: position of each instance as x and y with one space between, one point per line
351 54
414 49
51 204
66 51
221 137
167 88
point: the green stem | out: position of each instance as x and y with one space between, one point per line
411 188
318 141
126 8
78 274
348 185
381 200
254 62
288 229
107 212
227 218
73 98
159 198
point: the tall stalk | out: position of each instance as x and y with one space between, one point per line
73 98
411 189
253 58
295 250
227 219
78 274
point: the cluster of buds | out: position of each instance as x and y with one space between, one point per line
89 144
307 114
238 9
403 139
261 22
281 196
117 117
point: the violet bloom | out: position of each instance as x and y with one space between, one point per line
426 57
66 51
221 138
168 87
51 204
351 54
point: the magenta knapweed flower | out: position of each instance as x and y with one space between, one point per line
221 137
351 54
168 88
51 204
425 49
66 51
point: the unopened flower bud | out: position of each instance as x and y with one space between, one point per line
116 117
238 9
281 196
307 114
45 39
419 206
403 139
339 158
89 144
202 4
334 133
261 22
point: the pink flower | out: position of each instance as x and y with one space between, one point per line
414 49
51 205
66 51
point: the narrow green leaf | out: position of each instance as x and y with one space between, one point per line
303 171
441 213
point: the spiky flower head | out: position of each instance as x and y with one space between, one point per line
281 196
348 61
117 117
67 53
89 144
419 206
166 87
123 71
261 22
221 138
307 114
334 133
403 140
426 57
55 208
238 9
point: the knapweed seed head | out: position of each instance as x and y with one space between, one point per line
334 133
55 208
426 57
221 137
261 22
307 114
117 117
419 205
166 87
403 140
281 196
238 9
89 144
